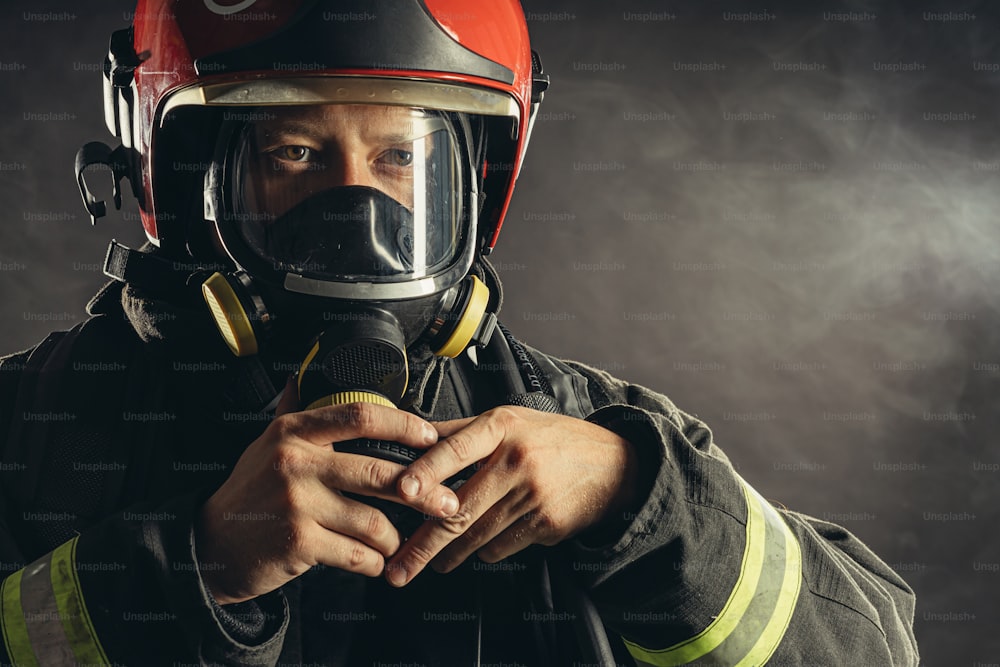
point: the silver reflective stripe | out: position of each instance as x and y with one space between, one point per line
41 615
15 634
753 621
45 619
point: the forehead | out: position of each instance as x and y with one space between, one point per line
335 118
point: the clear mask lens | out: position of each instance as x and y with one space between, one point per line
348 192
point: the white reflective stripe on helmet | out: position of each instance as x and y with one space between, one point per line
346 90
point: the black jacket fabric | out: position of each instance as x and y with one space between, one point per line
114 435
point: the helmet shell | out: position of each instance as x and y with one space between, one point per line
182 44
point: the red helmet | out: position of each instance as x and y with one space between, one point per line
182 57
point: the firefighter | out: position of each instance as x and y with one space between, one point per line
294 431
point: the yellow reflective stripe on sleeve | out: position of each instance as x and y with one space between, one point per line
15 631
45 619
754 619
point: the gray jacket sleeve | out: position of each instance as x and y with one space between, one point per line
705 571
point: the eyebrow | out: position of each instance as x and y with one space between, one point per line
293 127
422 128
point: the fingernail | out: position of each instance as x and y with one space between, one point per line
449 505
430 434
410 485
397 575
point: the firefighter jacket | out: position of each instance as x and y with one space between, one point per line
115 433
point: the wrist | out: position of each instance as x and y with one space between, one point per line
623 503
208 565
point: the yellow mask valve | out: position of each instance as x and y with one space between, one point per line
229 315
469 321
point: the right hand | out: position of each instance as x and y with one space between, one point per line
281 511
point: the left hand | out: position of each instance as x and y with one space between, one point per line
542 478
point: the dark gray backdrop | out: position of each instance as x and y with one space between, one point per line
782 218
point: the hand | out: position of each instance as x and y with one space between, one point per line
281 511
542 478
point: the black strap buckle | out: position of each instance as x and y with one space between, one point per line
96 152
153 273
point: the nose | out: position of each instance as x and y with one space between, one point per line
350 168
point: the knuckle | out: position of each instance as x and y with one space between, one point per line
376 474
423 469
461 446
504 416
458 523
291 501
360 417
284 426
357 557
420 556
288 461
413 425
375 523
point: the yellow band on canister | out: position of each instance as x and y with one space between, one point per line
345 397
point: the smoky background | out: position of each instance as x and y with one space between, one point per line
782 217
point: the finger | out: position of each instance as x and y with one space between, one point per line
535 527
517 537
506 513
477 440
344 553
370 476
361 522
451 426
336 423
476 497
289 401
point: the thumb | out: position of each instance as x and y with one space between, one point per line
289 401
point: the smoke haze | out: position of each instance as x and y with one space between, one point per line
782 218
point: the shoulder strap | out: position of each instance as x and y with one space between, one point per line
546 384
570 388
508 372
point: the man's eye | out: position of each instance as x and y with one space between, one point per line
294 153
398 157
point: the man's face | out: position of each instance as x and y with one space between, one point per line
309 149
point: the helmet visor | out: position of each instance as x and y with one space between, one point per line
346 192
